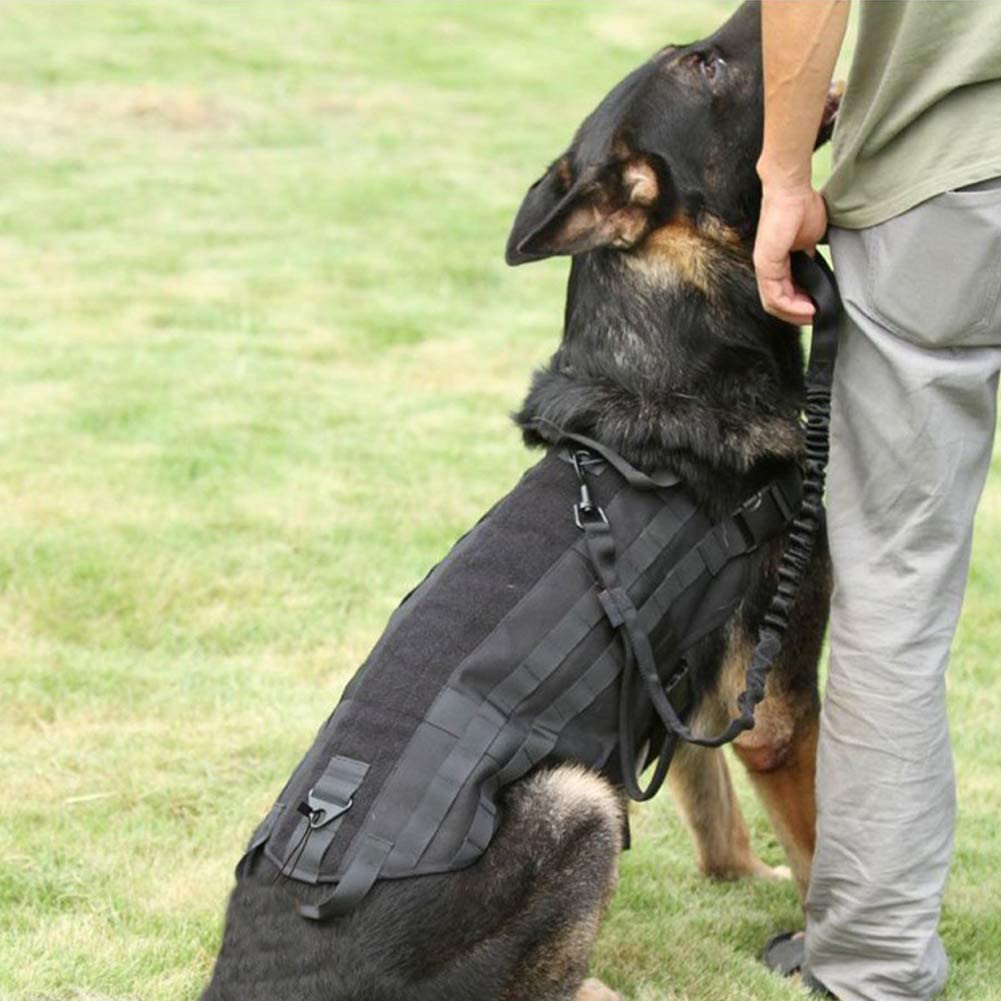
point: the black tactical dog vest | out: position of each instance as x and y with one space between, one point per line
516 651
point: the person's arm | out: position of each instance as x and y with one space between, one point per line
801 40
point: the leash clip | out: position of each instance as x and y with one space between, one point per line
585 511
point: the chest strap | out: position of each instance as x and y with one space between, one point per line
760 518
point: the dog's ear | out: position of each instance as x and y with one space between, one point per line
610 206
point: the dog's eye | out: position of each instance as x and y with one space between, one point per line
708 64
711 66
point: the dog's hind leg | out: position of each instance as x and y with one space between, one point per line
701 786
518 925
580 817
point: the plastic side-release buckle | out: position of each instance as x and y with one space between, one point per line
744 523
763 515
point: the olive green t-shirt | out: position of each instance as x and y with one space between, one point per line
921 112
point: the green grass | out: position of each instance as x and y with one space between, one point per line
258 350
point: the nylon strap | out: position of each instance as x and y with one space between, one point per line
633 476
622 614
814 274
758 519
357 881
328 801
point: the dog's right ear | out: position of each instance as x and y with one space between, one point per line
609 206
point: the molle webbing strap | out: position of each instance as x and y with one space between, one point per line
545 733
357 881
634 477
754 522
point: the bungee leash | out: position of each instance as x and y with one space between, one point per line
814 275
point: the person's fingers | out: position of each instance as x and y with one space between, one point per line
784 300
776 290
786 224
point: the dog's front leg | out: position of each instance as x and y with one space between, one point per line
781 760
700 783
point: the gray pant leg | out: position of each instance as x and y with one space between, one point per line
913 422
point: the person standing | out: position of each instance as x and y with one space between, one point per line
914 207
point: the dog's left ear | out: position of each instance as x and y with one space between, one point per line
610 206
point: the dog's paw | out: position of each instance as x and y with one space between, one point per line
746 867
594 990
776 872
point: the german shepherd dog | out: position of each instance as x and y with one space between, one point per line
668 358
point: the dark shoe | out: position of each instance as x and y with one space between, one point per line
784 954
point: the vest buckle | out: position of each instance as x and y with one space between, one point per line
744 524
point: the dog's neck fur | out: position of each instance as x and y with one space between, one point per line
671 375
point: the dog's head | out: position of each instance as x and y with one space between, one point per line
667 157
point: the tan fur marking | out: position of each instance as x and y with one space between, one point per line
767 745
573 787
592 225
640 180
700 784
594 990
564 173
621 150
776 436
556 962
682 251
562 797
555 965
718 232
788 795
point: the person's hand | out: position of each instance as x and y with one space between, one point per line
791 219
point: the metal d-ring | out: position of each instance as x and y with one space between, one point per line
585 511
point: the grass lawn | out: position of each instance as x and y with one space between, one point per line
258 348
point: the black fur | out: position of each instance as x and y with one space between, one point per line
668 357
